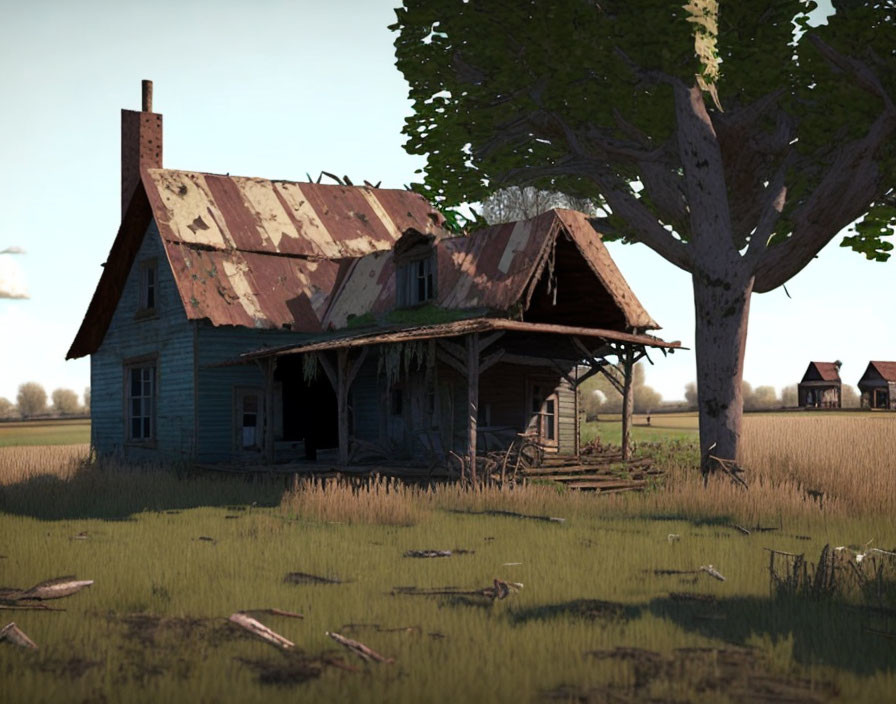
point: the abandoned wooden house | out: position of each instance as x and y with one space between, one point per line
269 321
878 385
820 386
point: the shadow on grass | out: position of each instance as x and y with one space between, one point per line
824 632
109 494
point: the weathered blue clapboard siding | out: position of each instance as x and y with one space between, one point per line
217 385
169 335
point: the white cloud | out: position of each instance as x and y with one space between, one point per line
12 278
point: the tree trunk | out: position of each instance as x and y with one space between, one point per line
721 306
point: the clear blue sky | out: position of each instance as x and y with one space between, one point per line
278 91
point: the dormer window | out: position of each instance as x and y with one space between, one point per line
148 287
415 269
416 282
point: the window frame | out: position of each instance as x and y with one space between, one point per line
239 393
148 268
145 362
409 273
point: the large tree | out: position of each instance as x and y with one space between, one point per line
735 141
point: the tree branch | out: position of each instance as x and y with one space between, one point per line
852 182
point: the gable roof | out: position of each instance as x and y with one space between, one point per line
495 269
250 251
822 371
884 370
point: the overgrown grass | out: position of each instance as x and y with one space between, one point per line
172 556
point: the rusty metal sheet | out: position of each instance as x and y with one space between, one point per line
827 371
306 219
240 229
491 269
230 287
887 370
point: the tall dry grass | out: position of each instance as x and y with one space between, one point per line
797 466
19 463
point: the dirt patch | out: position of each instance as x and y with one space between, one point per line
291 669
589 609
741 675
73 667
147 629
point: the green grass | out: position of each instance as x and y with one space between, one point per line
663 427
153 626
45 432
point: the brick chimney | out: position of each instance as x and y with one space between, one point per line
141 145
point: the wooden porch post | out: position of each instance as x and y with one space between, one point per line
269 364
342 402
628 399
472 399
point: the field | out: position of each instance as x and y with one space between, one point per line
45 432
614 605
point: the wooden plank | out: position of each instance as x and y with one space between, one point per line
342 371
628 401
472 399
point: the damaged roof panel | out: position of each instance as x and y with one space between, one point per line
307 219
493 269
252 289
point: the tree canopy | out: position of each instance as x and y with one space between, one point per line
590 98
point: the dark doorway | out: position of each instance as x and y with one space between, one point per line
309 407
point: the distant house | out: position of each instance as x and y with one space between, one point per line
250 320
820 386
878 385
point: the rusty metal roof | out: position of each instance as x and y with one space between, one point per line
249 251
887 370
495 269
827 371
261 253
452 329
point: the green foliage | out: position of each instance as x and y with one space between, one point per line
560 94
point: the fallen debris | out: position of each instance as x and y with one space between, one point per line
513 514
428 553
438 553
708 569
274 612
305 578
240 618
15 635
55 588
499 590
359 649
712 572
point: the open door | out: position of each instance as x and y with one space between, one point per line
543 419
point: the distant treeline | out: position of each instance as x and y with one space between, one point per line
599 395
32 402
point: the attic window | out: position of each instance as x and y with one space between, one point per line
148 287
416 282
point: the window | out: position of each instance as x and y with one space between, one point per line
416 282
249 418
141 394
148 287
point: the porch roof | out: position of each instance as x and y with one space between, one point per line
454 329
